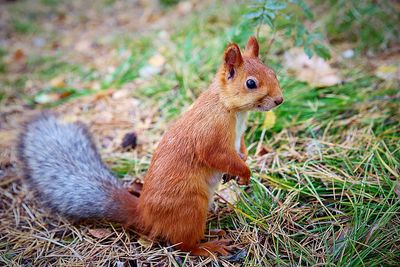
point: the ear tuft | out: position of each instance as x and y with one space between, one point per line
252 47
232 56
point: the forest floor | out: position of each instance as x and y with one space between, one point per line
325 187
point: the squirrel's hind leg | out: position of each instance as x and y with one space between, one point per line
212 248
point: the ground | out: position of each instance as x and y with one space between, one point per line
325 185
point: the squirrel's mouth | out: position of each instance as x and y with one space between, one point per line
264 104
263 108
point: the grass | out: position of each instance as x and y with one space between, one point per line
326 192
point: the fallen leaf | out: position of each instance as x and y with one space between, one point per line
269 119
83 46
313 148
47 98
121 93
100 232
371 232
184 7
157 60
144 242
229 192
263 150
397 189
57 82
19 55
388 72
340 235
315 71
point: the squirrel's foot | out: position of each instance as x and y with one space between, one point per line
216 247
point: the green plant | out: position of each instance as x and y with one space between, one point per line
288 17
167 3
373 25
24 26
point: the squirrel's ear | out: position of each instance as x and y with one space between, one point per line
252 47
232 59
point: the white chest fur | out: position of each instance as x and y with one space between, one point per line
241 118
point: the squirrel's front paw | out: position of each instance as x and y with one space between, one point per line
243 181
245 178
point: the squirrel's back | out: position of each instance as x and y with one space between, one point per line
63 166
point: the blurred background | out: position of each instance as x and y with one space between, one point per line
325 187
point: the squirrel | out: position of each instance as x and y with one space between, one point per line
63 167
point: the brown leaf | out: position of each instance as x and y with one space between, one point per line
263 150
99 233
57 82
184 7
316 71
157 60
19 55
397 189
47 98
388 72
144 242
229 192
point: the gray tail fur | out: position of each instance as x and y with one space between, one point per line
63 166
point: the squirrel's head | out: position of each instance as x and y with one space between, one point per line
245 82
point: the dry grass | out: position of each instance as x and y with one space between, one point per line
325 186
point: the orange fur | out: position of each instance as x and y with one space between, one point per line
243 149
173 204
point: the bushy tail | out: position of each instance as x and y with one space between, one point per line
62 165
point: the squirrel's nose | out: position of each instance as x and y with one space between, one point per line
278 100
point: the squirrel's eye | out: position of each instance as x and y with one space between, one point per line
251 84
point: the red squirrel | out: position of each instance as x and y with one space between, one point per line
63 166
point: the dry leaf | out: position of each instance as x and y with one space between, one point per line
229 191
144 242
316 71
269 120
19 54
340 235
397 189
121 94
263 150
100 232
313 148
157 60
83 46
184 7
57 82
47 98
388 72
